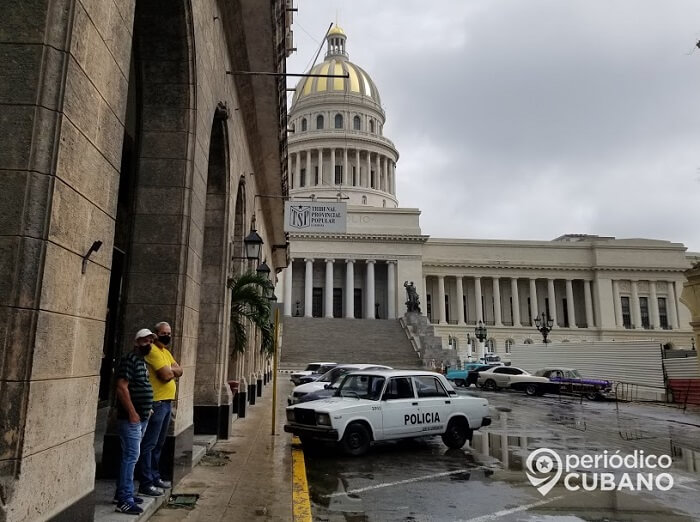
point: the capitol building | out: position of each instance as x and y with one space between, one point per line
592 287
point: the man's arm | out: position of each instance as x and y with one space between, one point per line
124 397
176 369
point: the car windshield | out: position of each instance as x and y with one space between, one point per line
334 375
362 387
312 367
575 374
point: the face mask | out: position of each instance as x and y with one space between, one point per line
165 339
144 350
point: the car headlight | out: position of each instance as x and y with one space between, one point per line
323 419
290 415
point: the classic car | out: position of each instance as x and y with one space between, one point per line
571 381
310 368
382 405
515 379
468 375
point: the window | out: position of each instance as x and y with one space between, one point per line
399 388
356 123
364 200
371 179
644 309
338 174
626 317
384 202
663 315
362 387
371 125
509 344
354 176
490 346
302 178
338 121
429 387
527 341
303 124
319 122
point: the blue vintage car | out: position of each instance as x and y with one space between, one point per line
571 381
468 375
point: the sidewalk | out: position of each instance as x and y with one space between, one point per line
246 477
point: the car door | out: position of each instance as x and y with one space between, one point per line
435 405
501 376
399 407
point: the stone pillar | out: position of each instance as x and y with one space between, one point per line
320 167
391 289
328 290
516 301
636 312
441 299
534 310
378 172
653 306
588 300
477 300
359 169
677 290
497 301
570 309
288 289
332 180
307 181
617 303
368 179
349 288
393 177
369 311
552 301
308 287
672 305
297 175
346 169
460 301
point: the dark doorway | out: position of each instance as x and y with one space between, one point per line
317 302
337 302
358 303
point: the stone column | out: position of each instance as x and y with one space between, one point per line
570 308
441 299
308 287
369 170
673 316
424 297
636 312
534 310
391 289
297 180
460 301
393 177
288 289
378 172
552 301
332 180
385 175
497 301
654 306
369 312
677 291
588 300
328 290
359 169
349 288
346 169
516 301
308 170
617 303
477 300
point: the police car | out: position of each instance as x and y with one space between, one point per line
389 404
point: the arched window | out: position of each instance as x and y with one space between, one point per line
371 125
491 345
384 202
319 122
364 200
527 341
303 124
509 344
338 121
356 123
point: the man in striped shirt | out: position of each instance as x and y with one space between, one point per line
134 403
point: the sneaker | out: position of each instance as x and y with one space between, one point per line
163 484
128 508
150 491
137 500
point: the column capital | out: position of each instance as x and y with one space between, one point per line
391 261
308 259
349 261
329 260
370 261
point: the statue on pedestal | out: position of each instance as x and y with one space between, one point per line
412 303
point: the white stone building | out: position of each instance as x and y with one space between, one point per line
594 288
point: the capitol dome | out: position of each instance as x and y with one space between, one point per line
338 148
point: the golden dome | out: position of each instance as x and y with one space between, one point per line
336 29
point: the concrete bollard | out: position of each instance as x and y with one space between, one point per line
260 386
242 399
251 393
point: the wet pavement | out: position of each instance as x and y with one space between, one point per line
423 480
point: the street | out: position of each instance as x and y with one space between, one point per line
422 480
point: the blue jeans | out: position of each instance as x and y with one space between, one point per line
152 443
130 436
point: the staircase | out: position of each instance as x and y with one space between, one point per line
377 341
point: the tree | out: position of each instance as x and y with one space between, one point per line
249 302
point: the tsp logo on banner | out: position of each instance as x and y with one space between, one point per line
300 216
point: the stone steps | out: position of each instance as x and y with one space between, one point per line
345 341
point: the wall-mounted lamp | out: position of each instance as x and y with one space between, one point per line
93 248
253 243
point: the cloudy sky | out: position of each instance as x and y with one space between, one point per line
528 119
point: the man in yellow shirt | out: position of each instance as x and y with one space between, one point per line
162 372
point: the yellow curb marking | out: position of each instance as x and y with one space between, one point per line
301 505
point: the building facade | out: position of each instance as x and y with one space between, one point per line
593 288
131 153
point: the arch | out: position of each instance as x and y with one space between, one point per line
338 121
364 200
371 125
319 121
527 341
491 345
509 344
304 124
356 123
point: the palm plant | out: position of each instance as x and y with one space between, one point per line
249 302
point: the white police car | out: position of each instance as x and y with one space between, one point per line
389 404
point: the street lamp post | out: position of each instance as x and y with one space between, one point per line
544 325
481 334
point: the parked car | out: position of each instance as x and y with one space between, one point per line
326 382
317 374
310 368
468 375
515 379
571 381
389 404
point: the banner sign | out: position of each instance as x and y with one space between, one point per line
315 216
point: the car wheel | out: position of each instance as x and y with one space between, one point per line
457 434
531 390
355 440
490 385
459 382
592 396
